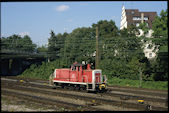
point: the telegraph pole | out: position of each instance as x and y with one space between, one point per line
140 77
97 50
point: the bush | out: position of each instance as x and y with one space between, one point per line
41 72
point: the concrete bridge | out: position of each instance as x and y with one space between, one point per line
14 62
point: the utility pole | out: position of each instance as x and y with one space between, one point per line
97 50
140 77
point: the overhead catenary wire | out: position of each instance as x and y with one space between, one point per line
110 42
87 42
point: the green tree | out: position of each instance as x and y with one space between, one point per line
160 24
79 45
42 49
18 43
56 45
106 28
143 26
132 30
160 68
28 44
124 32
160 65
51 43
134 67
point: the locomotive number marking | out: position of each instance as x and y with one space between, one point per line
73 75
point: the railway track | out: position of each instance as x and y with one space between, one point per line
38 87
88 100
132 93
132 97
140 91
146 92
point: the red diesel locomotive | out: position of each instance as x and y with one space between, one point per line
77 77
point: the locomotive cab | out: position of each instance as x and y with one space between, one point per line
99 81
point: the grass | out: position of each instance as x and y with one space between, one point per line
159 85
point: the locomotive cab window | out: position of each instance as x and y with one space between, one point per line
73 68
84 67
78 68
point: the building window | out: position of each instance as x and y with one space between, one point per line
127 13
145 18
136 18
137 24
150 55
132 12
149 46
139 18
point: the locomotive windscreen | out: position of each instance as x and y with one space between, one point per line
97 77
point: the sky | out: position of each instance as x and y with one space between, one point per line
37 19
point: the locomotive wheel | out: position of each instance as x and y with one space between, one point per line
83 89
62 86
66 87
71 87
53 86
76 87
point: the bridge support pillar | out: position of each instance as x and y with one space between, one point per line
48 59
10 65
4 67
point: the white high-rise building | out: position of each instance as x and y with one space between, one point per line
123 23
135 17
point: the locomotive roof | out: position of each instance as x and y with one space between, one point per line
77 64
